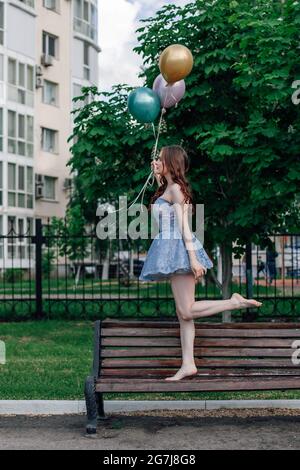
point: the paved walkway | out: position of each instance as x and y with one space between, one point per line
158 430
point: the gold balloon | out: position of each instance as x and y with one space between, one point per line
176 63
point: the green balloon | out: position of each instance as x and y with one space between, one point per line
144 104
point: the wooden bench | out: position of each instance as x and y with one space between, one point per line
136 356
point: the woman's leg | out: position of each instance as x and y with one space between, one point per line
189 309
183 288
187 337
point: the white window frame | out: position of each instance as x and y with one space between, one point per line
28 3
27 192
55 87
86 66
47 37
54 132
53 180
16 92
53 5
84 25
16 140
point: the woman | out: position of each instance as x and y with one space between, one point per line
176 254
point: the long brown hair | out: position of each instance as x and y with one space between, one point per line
175 158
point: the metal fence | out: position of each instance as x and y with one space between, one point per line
53 274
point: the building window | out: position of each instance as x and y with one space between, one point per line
50 93
20 186
86 61
1 23
19 248
50 184
50 44
20 82
51 5
49 140
20 134
29 3
85 19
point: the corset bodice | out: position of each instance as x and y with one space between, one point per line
165 217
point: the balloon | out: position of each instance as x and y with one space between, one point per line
144 104
175 63
170 94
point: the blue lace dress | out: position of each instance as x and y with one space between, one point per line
167 254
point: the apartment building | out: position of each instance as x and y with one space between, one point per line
48 50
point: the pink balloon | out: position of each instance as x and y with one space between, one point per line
170 94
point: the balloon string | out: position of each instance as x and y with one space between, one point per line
153 127
143 190
153 155
172 96
158 132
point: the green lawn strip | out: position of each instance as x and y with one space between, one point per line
104 287
50 359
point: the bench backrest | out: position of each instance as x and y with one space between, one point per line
152 349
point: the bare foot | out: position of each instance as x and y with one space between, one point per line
184 371
241 302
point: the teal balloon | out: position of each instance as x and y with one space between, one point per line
144 104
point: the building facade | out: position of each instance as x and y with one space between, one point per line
48 51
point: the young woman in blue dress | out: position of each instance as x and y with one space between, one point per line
173 188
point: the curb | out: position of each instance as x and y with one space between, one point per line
61 407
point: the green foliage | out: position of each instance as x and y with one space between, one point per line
108 150
67 237
12 275
48 259
237 120
240 125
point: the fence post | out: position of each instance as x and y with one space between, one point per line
250 315
38 240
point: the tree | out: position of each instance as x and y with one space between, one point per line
67 238
237 121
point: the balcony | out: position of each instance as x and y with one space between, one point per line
86 29
20 95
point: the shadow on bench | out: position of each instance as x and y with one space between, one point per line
136 356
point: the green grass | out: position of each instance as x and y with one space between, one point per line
50 360
90 286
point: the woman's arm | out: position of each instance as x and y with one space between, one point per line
181 210
182 214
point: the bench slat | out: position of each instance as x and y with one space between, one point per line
138 373
203 333
174 324
127 363
198 384
203 342
200 352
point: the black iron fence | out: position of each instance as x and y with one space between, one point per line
51 273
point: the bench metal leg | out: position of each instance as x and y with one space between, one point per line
100 406
91 405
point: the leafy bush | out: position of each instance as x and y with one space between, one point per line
13 275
